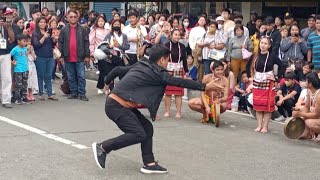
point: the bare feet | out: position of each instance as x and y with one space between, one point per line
178 116
258 129
166 114
157 117
263 130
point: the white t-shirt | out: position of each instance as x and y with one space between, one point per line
132 33
303 95
196 35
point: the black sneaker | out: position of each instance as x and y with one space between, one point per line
99 155
72 96
26 101
84 98
155 169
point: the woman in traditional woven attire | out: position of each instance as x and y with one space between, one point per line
178 67
264 83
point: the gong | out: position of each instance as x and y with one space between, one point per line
294 127
217 114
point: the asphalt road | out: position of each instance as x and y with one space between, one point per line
59 146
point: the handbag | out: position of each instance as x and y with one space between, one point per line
216 54
175 69
56 53
296 64
245 53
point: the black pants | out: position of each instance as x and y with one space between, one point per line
242 101
286 107
136 128
104 68
133 58
21 85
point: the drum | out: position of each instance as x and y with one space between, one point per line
217 114
294 127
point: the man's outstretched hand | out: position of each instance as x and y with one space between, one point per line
213 86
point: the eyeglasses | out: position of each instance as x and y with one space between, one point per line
72 17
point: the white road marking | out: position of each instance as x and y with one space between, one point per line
43 133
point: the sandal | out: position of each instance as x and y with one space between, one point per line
53 98
42 98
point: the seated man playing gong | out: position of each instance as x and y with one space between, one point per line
310 113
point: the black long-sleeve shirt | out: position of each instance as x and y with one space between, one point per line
145 82
260 62
175 53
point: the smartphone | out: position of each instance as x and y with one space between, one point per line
4 19
28 26
50 31
296 35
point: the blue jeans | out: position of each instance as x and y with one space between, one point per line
44 71
76 77
206 65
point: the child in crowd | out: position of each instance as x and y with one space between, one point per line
241 91
287 96
301 75
32 79
191 75
20 75
192 68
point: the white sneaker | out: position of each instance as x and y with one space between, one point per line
100 91
279 119
98 72
184 97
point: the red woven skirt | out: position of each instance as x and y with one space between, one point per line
174 90
264 99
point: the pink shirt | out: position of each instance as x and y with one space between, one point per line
96 36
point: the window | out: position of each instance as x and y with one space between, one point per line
235 7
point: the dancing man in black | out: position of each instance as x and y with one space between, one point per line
143 84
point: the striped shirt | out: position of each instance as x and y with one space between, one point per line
314 45
212 39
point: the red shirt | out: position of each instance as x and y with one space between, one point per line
32 27
73 45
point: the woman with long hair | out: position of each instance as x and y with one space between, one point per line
178 66
43 43
151 20
119 43
96 36
261 69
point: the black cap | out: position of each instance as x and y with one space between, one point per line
288 15
269 20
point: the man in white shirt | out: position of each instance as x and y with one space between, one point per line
136 35
225 13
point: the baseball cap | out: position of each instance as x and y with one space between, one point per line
220 18
288 15
8 11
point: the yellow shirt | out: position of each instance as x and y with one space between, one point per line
255 42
